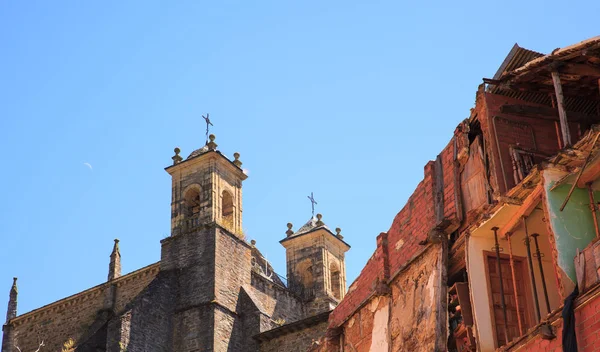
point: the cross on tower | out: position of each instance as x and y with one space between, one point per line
313 202
207 120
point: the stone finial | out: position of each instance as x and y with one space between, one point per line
338 233
211 144
114 267
11 312
289 231
253 243
177 158
319 222
237 161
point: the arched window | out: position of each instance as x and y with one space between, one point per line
305 278
192 202
336 282
227 208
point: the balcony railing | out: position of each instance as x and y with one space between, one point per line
523 160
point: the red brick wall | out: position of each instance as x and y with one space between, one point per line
532 133
587 329
401 244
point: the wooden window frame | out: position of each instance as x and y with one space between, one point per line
528 318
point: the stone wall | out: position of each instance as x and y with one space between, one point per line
74 317
276 301
232 267
296 341
147 324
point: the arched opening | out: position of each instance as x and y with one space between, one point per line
227 209
191 202
336 280
305 277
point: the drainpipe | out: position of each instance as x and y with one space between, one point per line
499 269
530 264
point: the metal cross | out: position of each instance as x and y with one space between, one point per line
207 124
313 202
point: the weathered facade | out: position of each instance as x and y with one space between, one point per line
497 248
211 290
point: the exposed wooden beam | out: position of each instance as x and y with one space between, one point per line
588 93
579 70
590 174
529 204
562 114
544 113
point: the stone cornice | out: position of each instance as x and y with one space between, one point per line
151 269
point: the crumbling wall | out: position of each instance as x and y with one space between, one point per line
367 329
416 306
506 129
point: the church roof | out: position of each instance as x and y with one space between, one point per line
198 152
315 223
311 225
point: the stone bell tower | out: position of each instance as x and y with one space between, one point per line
206 188
316 267
206 251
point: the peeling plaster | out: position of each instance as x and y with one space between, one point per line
379 335
373 304
573 227
399 244
430 288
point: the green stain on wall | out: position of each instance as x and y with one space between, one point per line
574 226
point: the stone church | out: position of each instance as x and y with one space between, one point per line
211 291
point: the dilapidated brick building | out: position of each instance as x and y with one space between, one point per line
489 249
211 291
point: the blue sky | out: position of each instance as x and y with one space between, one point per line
346 99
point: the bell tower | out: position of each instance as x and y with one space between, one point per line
316 267
206 188
206 254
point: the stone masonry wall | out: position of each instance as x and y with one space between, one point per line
73 316
193 256
276 301
232 268
297 341
232 271
147 324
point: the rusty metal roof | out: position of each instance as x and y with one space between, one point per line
517 57
521 62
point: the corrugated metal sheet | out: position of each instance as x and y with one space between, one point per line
516 58
520 60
